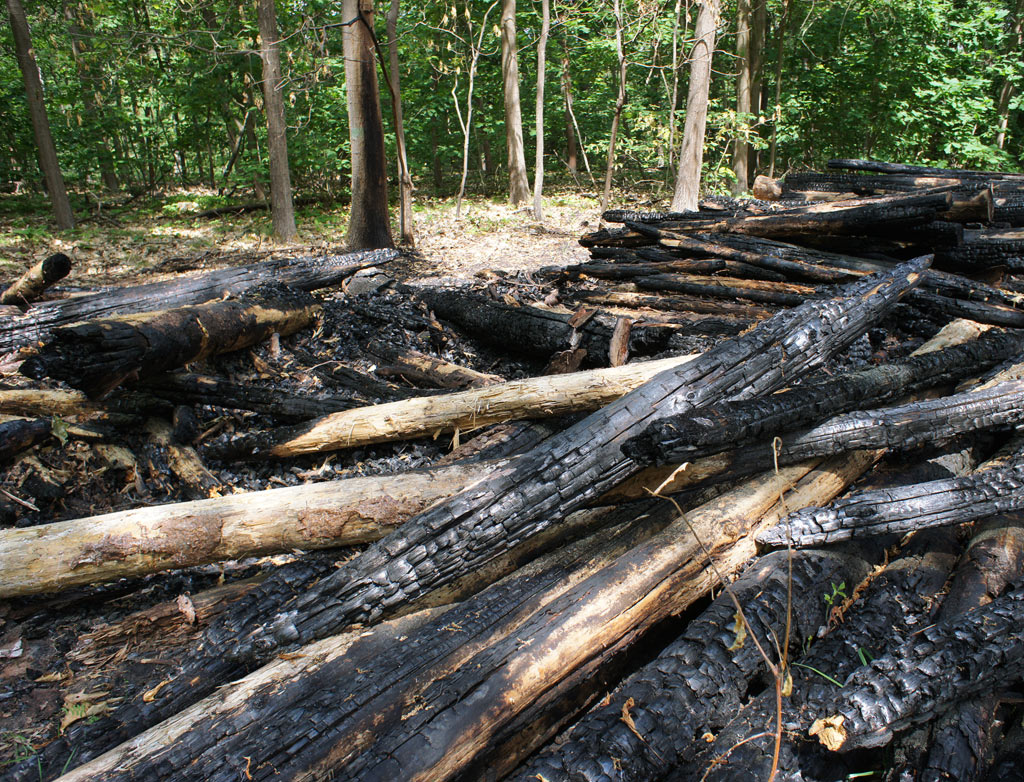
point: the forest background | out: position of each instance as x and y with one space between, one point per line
148 98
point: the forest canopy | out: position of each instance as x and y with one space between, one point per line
149 95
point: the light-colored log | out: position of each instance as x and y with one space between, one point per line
538 397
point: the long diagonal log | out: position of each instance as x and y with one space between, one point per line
727 425
513 505
539 397
98 355
526 642
307 273
917 506
948 662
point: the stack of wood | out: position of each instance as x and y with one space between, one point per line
537 604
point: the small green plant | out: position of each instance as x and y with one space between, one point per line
837 592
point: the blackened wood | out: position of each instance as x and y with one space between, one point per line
186 388
429 370
983 251
699 681
945 307
626 271
533 330
513 506
741 312
716 428
917 506
883 167
21 434
337 376
864 184
616 237
783 294
31 284
951 661
899 599
308 273
96 356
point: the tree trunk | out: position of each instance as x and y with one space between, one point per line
542 48
519 187
369 225
780 32
405 186
281 208
741 149
691 156
25 55
620 102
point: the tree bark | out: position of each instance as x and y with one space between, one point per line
744 67
519 187
369 225
620 102
405 186
542 47
281 209
30 73
691 156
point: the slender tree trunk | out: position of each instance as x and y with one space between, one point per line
37 110
542 48
570 120
1008 88
620 102
741 149
368 225
281 210
777 106
395 85
758 31
674 95
691 156
519 187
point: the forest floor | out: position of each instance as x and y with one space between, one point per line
121 245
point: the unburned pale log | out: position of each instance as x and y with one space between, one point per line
98 355
462 411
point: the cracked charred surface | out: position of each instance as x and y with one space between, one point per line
511 506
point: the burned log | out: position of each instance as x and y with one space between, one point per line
916 506
21 434
882 167
184 462
535 331
96 356
962 740
983 251
894 428
31 284
676 439
459 411
307 273
865 184
899 599
186 388
700 680
628 271
721 310
779 293
943 664
430 370
510 509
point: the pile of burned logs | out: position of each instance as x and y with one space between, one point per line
738 498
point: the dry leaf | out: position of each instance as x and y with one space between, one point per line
740 628
150 695
830 731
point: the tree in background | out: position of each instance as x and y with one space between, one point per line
37 111
405 186
281 209
542 47
519 187
368 226
691 157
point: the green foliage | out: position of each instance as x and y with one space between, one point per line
159 92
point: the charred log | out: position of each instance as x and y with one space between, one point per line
724 309
882 167
96 356
21 434
429 370
782 294
732 424
300 273
31 284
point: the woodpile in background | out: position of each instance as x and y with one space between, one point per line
813 400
